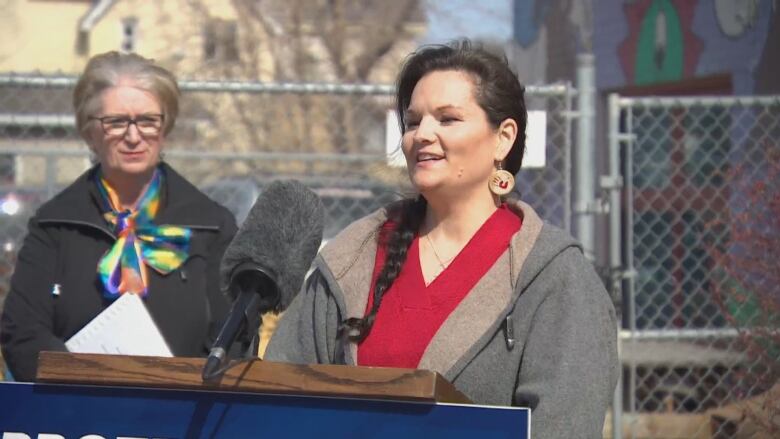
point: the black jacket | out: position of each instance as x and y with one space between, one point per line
66 238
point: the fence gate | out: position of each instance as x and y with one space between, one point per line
699 240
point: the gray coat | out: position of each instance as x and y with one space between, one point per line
538 330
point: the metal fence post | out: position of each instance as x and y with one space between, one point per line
614 244
584 163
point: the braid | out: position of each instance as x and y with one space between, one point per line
411 213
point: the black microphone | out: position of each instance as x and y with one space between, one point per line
266 262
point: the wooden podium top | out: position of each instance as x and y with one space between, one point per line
251 376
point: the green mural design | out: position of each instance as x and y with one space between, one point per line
659 51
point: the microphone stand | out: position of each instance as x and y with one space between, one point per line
257 293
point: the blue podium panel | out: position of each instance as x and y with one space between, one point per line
116 412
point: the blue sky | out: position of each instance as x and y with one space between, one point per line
483 19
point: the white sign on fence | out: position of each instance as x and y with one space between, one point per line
535 140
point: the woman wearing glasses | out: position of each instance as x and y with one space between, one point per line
129 225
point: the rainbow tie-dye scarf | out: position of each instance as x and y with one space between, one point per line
139 242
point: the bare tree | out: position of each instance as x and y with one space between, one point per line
344 41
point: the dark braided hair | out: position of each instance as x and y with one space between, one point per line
497 91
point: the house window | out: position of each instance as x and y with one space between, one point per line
220 40
129 34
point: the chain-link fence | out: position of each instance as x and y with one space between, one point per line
702 288
231 138
700 340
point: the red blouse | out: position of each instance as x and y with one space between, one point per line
412 312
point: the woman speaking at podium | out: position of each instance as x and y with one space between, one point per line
129 225
460 280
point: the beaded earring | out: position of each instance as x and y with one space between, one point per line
501 182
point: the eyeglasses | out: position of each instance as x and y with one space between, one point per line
149 124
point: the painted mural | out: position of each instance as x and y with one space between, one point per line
735 17
660 46
529 18
547 36
641 42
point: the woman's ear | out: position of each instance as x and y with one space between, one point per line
507 133
89 137
92 137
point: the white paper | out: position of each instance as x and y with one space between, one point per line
535 140
125 328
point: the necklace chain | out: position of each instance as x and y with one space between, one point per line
443 264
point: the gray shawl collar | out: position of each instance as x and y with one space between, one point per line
349 258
